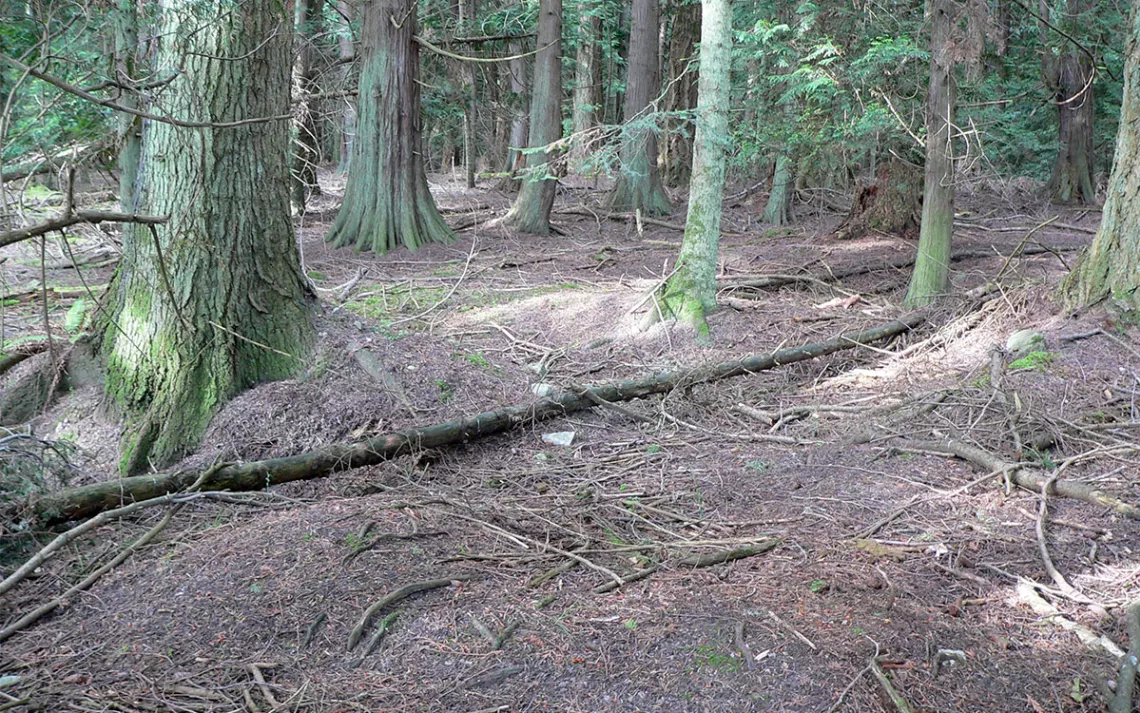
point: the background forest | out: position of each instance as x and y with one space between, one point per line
572 355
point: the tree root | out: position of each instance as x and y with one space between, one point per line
897 698
396 596
85 501
695 561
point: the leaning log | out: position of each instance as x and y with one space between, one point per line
88 500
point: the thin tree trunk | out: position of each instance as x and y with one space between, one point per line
386 201
517 100
585 115
470 98
306 154
129 127
348 112
691 292
530 212
639 184
931 276
1110 266
213 301
778 209
681 94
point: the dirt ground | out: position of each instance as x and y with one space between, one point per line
869 547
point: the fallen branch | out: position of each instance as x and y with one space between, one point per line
897 698
1121 701
1024 477
80 216
85 501
399 595
695 561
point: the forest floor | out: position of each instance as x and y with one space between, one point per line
248 605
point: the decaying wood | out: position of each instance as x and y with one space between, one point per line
20 353
1025 477
85 501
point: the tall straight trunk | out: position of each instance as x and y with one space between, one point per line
931 276
213 301
639 183
1110 266
306 153
470 98
586 80
690 294
386 201
681 94
1070 78
516 69
348 111
530 212
129 129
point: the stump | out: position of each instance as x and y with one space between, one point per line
891 204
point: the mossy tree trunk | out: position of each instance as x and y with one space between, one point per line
639 183
129 129
386 200
681 93
587 77
931 276
1110 266
216 302
778 209
306 154
690 294
530 212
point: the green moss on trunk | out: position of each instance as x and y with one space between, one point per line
214 301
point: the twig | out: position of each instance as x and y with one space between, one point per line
793 630
255 669
396 596
749 659
1056 576
892 692
862 672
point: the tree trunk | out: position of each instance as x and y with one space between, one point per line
778 209
691 292
129 126
386 201
516 100
530 212
931 276
306 155
1110 266
213 301
681 94
348 112
639 184
470 98
586 81
1070 79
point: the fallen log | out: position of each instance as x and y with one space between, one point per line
760 282
88 500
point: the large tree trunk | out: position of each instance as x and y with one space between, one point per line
778 210
1110 267
586 80
129 129
681 94
386 201
931 276
530 212
1070 79
306 155
691 292
213 301
639 183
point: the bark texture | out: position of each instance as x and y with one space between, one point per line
1070 78
306 151
530 213
129 127
216 302
1110 266
387 203
778 209
931 276
88 500
691 292
587 77
348 111
681 94
638 185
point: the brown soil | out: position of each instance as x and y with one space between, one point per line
469 326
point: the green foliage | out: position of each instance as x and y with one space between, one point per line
1037 361
76 318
